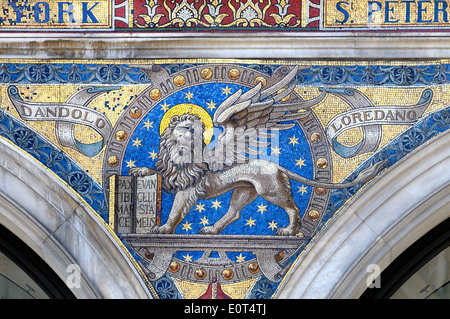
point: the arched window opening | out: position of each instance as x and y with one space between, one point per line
25 275
421 272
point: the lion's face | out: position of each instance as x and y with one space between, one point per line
180 153
187 136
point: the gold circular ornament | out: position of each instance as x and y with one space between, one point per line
321 191
279 256
135 112
149 255
253 268
206 73
322 163
113 160
179 80
227 274
155 94
200 273
313 215
121 136
316 137
234 74
262 80
174 266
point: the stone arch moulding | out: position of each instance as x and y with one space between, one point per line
58 226
375 227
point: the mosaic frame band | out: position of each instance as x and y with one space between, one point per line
223 16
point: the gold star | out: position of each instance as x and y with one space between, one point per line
189 96
276 150
226 90
137 142
204 221
165 106
216 204
273 225
302 189
153 155
211 105
293 140
188 258
300 162
148 125
187 226
240 258
250 222
130 163
262 208
200 207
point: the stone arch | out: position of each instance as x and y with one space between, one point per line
40 210
376 226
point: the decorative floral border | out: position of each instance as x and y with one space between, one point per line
216 14
78 73
71 73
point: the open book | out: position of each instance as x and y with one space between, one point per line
134 203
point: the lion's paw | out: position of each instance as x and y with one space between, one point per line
208 230
140 171
164 229
287 231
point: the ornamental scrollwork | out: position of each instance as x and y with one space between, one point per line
217 13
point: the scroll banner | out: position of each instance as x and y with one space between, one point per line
370 118
67 115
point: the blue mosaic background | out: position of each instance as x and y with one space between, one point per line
202 95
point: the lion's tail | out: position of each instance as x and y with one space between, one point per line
364 176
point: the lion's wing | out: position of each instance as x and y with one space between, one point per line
258 108
248 119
